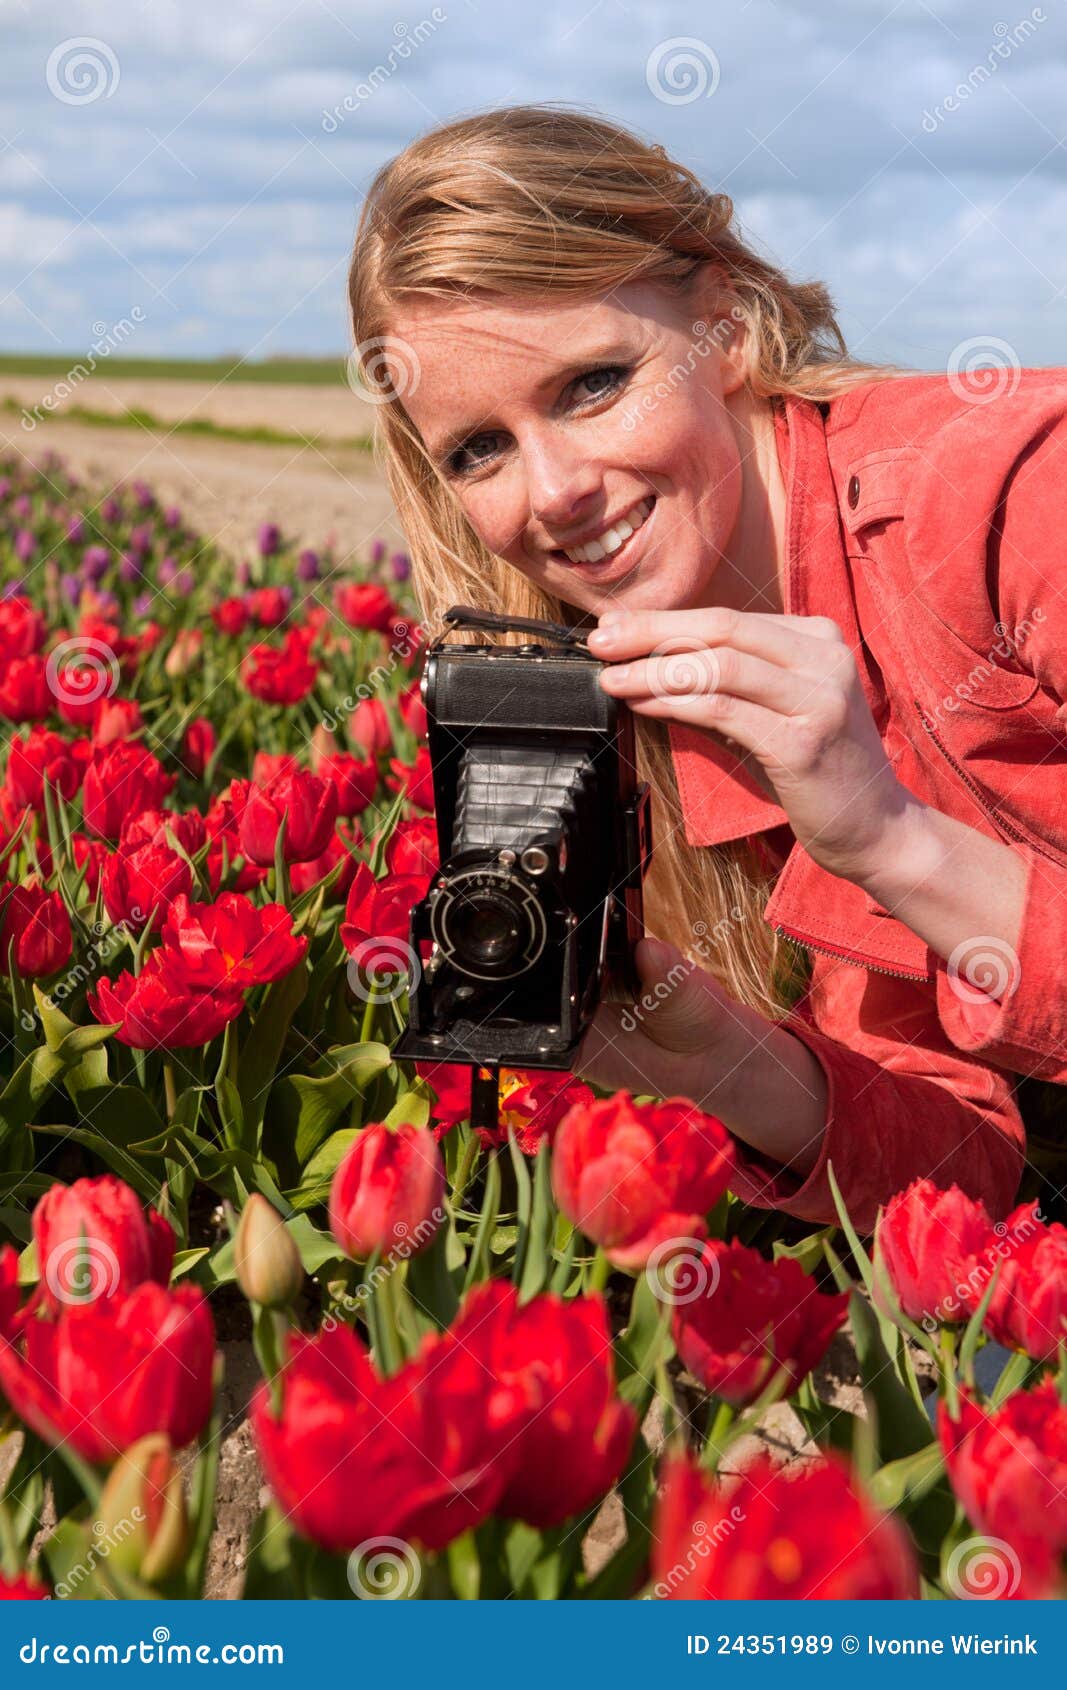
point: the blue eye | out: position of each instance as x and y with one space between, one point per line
615 373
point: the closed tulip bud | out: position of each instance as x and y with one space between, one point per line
184 652
387 1191
269 1269
323 744
145 1492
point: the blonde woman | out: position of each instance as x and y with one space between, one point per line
830 593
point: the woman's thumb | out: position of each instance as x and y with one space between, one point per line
675 1008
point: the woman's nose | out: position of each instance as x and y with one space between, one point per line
561 480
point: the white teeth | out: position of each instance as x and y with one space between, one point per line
612 538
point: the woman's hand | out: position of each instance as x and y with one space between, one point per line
686 1037
784 693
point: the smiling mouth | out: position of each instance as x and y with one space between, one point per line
606 547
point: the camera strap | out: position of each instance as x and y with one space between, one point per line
466 616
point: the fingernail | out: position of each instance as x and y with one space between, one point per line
601 638
619 671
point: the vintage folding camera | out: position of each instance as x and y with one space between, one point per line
544 837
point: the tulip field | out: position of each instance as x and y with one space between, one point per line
216 812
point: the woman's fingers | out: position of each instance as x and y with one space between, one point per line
703 674
788 640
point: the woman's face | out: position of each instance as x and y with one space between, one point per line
553 424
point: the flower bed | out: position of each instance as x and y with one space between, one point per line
216 812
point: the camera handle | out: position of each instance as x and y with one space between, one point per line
466 616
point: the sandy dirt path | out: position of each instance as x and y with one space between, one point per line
319 494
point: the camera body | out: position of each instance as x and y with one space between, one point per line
543 837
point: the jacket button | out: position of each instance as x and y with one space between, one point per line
853 492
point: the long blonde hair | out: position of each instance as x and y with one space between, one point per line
547 200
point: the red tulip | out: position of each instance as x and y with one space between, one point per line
386 1193
90 854
742 1318
309 805
9 1288
413 710
221 824
157 1010
356 781
633 1178
44 756
269 606
421 1456
412 847
1009 1470
22 1588
94 1240
115 718
303 876
151 827
198 746
25 695
121 781
231 616
35 928
532 1104
416 779
809 1534
142 883
368 727
1028 1308
22 629
377 915
578 1437
279 676
364 604
923 1236
230 944
106 1373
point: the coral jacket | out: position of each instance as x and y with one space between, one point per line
932 528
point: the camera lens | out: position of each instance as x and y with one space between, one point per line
488 925
486 931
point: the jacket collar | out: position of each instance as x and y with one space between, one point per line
719 800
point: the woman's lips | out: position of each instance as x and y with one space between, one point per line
608 570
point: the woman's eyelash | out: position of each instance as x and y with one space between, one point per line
618 371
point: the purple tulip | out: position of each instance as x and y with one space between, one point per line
25 545
14 589
107 604
130 568
143 495
22 506
307 565
400 564
167 570
76 528
172 517
142 604
95 561
71 587
140 540
184 582
269 539
5 486
110 509
377 551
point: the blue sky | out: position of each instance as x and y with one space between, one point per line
184 162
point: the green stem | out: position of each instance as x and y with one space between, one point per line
947 1361
598 1273
9 1549
366 1031
718 1435
459 1184
170 1088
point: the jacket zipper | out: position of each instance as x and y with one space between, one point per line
978 795
842 956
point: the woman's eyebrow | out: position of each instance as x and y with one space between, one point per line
616 352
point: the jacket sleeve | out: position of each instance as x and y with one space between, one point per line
903 1104
1020 1020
